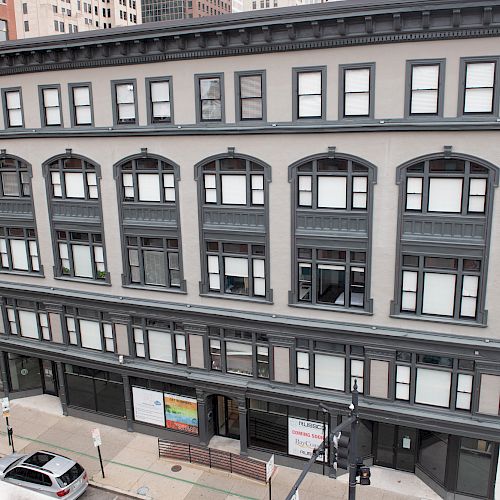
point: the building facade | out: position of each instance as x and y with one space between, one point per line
7 21
37 18
239 217
166 10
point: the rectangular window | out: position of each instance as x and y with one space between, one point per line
19 249
215 355
409 292
414 193
13 108
236 275
303 368
140 351
239 358
251 101
154 261
262 361
445 195
160 105
309 94
81 255
305 190
332 192
403 382
82 106
479 87
433 387
90 334
464 391
357 374
160 346
234 189
329 372
210 97
477 195
424 89
180 349
439 294
51 107
124 95
357 92
470 286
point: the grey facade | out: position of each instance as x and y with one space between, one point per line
257 267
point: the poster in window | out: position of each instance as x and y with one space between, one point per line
304 437
148 406
181 413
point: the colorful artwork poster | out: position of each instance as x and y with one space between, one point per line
181 413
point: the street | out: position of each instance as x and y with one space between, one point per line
97 494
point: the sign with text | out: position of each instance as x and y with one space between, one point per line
96 436
148 406
304 437
269 468
181 413
5 407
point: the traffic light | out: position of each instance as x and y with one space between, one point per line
364 475
341 442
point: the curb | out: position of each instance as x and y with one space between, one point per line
118 491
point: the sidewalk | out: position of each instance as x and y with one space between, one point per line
132 465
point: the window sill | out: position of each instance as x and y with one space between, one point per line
24 273
331 308
435 319
83 280
179 290
241 298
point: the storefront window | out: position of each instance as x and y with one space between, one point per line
95 390
24 373
432 454
474 465
239 358
267 430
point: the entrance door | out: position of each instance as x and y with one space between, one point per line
227 417
49 376
395 447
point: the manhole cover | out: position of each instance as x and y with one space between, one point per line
176 468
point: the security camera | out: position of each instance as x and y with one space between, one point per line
120 359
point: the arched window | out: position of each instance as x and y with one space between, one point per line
147 196
233 201
331 205
444 230
73 178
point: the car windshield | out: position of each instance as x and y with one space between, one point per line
13 464
70 475
40 458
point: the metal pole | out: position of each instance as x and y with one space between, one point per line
353 450
8 429
324 437
270 489
100 461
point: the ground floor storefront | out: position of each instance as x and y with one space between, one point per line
455 464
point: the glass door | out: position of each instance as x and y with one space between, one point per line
384 449
49 377
405 449
228 422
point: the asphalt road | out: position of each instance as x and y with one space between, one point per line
97 494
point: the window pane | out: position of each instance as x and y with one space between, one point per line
236 266
331 285
90 334
210 88
439 294
433 387
424 101
81 96
474 466
125 93
74 185
234 189
357 104
28 324
149 187
309 106
52 116
15 118
332 192
159 91
329 372
425 77
251 109
83 115
250 86
10 183
239 358
160 346
51 97
310 83
82 261
154 268
445 195
480 75
19 256
478 101
13 100
357 80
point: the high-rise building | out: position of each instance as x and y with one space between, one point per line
164 10
7 20
212 227
47 17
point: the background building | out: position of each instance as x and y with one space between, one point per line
239 216
7 20
164 10
43 17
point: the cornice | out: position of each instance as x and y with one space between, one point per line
328 25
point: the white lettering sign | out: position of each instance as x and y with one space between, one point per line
148 406
270 468
304 437
96 436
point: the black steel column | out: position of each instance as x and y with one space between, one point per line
3 371
62 388
242 414
202 417
128 403
353 449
